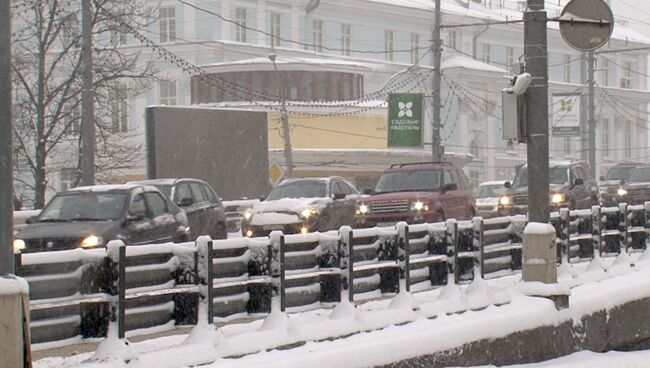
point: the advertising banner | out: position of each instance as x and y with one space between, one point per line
405 120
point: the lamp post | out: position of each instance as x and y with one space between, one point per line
288 154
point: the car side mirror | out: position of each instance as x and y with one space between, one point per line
367 191
579 181
338 196
135 216
31 220
186 201
602 178
622 181
449 186
507 184
262 198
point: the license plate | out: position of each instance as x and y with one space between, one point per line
273 227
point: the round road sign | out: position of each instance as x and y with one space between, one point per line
586 24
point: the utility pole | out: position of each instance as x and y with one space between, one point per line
436 143
591 64
87 97
6 147
535 51
286 132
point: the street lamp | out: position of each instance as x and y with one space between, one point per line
288 155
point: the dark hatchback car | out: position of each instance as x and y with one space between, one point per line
570 186
205 212
636 190
89 217
416 193
610 185
303 205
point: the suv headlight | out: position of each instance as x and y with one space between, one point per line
505 200
247 215
91 241
362 209
419 206
621 192
308 212
19 245
557 198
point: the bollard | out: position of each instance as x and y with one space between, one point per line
596 238
15 348
539 254
479 260
565 235
452 241
623 226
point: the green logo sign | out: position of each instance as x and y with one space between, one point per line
404 120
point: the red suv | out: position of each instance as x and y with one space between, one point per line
416 193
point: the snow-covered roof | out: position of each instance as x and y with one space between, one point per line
294 63
465 62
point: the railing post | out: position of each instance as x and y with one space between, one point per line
407 259
596 238
350 246
477 243
209 260
565 235
18 263
121 304
283 301
452 242
646 206
623 226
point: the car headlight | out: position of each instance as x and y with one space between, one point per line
621 192
247 215
505 200
363 209
419 206
19 245
557 198
308 212
91 241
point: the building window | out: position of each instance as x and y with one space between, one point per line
389 45
451 39
67 178
567 68
167 22
626 75
628 139
605 138
168 92
487 53
474 150
317 35
70 30
240 27
567 146
276 29
346 39
415 48
118 103
604 72
510 60
72 120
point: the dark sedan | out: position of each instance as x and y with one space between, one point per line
89 217
303 205
637 189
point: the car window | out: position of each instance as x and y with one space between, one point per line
198 192
82 206
490 191
182 191
346 188
138 206
640 174
299 189
207 192
446 177
620 172
399 181
157 204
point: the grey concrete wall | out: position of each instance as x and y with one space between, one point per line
620 328
226 148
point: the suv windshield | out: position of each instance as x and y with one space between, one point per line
618 173
640 174
402 181
299 189
557 175
490 191
84 206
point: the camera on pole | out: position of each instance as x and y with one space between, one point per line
514 108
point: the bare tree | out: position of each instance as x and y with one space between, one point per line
47 70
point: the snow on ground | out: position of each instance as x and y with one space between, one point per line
382 331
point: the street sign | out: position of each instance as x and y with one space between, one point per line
566 115
405 120
275 173
586 24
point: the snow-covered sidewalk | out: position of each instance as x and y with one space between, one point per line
383 331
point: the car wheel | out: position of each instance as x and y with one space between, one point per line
221 232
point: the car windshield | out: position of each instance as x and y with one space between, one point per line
490 191
401 181
299 189
557 175
84 206
618 173
640 174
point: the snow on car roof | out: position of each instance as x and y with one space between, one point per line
494 182
108 187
